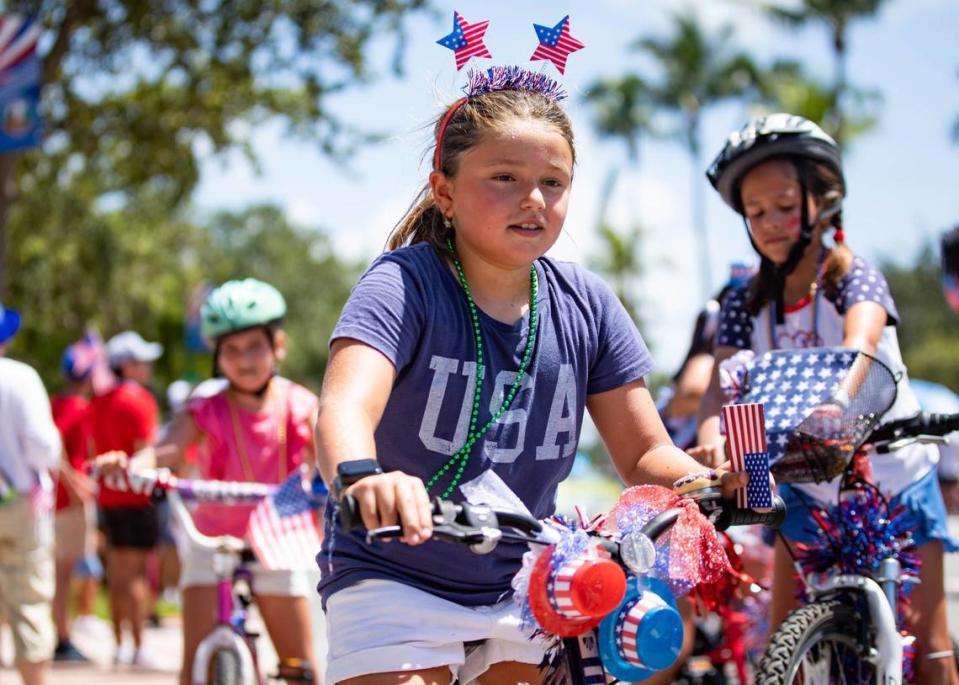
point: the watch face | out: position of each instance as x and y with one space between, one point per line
359 467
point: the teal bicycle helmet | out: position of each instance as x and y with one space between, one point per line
240 305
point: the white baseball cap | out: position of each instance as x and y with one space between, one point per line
129 346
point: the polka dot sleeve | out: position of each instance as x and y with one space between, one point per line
735 324
865 283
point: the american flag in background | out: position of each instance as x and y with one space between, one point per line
283 528
746 446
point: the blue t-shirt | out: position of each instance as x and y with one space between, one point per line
411 308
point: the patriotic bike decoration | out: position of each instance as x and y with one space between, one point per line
819 405
282 529
571 588
746 447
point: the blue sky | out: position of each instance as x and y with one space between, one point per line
902 176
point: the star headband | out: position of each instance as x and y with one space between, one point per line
466 41
492 80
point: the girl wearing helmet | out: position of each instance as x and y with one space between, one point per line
783 175
258 427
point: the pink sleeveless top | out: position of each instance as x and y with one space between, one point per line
243 445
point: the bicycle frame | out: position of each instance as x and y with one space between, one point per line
230 630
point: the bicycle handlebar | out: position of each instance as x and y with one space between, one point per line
913 427
480 527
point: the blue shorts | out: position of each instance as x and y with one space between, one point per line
922 501
89 566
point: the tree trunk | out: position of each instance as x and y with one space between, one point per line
839 45
7 189
699 209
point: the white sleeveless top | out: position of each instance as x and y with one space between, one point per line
819 323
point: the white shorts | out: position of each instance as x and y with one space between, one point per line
382 626
197 570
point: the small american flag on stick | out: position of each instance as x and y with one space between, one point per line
746 446
283 530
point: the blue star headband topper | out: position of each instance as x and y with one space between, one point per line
555 42
502 78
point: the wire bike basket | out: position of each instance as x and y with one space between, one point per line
820 406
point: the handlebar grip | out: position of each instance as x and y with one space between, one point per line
914 426
349 513
732 516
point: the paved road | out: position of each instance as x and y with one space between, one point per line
164 646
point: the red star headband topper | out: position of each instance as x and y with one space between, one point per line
466 40
555 42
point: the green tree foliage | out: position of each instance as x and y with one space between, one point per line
696 71
787 88
136 267
929 329
836 16
135 89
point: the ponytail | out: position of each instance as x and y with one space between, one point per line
423 223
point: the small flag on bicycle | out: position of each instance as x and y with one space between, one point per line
746 446
283 530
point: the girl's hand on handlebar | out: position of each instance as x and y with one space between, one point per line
389 499
109 463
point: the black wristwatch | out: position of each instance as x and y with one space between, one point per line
349 472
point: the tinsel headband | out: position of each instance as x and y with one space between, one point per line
493 80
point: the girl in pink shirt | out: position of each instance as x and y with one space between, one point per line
257 428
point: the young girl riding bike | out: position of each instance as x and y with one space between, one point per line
464 360
257 429
784 176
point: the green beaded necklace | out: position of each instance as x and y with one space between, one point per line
461 457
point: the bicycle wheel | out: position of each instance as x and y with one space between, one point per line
818 644
225 668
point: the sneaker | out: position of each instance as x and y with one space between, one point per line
123 656
89 625
67 652
144 659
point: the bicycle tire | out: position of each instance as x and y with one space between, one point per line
807 631
225 668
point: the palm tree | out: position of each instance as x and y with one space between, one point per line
836 15
619 263
623 108
698 71
787 88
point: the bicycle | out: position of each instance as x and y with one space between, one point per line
228 654
481 528
847 631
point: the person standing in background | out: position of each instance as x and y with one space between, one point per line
75 520
29 450
125 419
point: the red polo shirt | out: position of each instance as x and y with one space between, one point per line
123 419
70 414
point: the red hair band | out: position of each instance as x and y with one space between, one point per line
441 131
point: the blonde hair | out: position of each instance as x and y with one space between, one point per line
827 187
472 119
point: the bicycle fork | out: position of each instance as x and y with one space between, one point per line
881 601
